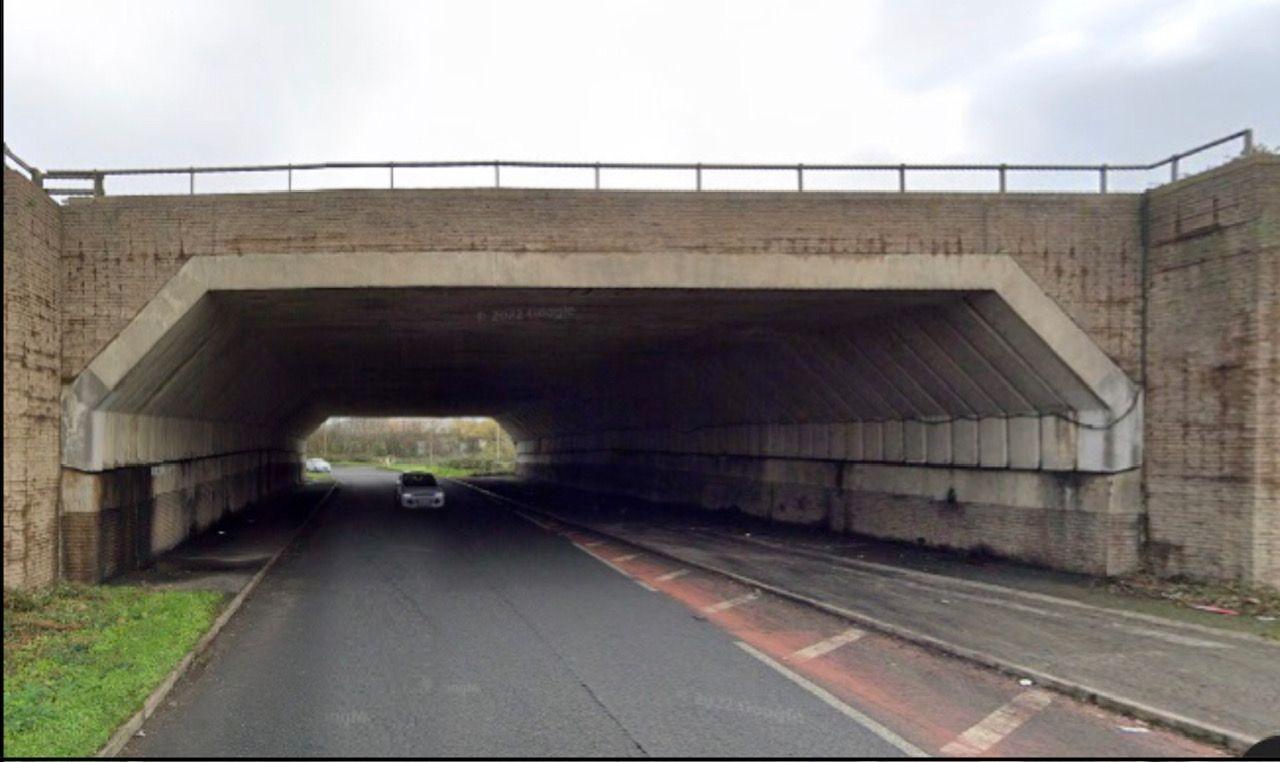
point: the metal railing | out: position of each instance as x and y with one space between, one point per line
98 177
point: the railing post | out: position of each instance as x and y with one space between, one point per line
1003 185
902 178
698 175
1173 169
37 178
597 171
1248 141
191 181
800 177
1102 179
497 174
291 178
99 184
392 169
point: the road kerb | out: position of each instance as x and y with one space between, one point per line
1197 729
126 731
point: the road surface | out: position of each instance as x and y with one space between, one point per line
474 632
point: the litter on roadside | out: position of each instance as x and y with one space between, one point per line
1134 729
1026 681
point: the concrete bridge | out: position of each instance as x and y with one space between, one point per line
1086 381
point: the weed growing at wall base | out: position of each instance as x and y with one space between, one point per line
78 660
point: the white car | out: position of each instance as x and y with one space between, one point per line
419 490
319 466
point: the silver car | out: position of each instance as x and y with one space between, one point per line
319 466
419 490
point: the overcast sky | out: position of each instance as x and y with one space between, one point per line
106 83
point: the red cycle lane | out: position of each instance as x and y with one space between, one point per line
939 704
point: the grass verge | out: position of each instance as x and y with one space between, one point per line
439 469
1236 606
80 660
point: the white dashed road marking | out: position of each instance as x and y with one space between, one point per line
827 646
715 608
1000 723
671 575
627 557
827 698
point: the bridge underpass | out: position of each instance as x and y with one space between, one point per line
938 399
1085 381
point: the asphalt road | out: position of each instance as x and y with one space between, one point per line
473 632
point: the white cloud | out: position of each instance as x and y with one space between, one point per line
111 83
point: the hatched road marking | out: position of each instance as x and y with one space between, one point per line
994 727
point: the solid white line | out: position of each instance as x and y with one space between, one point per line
618 569
827 646
584 547
671 575
627 557
885 734
1000 723
535 521
716 608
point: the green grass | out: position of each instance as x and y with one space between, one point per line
312 476
439 469
79 660
1257 607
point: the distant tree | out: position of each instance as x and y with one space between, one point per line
438 440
